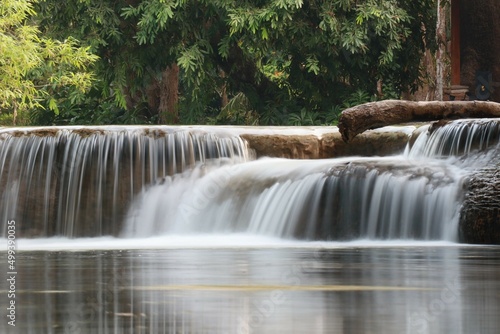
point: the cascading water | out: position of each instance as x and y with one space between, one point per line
473 142
79 181
141 182
416 195
387 198
174 199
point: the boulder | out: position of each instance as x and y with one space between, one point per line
480 215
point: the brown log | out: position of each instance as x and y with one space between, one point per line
358 119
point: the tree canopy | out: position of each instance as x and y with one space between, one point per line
33 68
261 61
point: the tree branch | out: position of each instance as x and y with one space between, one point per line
358 119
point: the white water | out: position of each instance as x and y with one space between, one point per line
461 138
413 196
78 181
333 199
251 289
202 184
209 241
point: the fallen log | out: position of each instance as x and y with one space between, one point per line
358 119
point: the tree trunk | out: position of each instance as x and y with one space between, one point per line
441 51
224 99
356 120
168 109
14 114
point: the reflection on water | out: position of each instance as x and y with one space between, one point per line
419 289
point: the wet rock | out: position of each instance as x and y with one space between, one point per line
480 216
327 145
370 143
284 145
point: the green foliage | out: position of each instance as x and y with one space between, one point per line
237 112
358 97
304 118
36 71
279 61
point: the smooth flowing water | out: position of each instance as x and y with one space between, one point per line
79 181
386 198
182 230
265 288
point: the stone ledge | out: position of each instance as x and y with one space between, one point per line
380 142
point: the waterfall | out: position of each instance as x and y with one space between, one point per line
79 181
416 195
460 138
150 181
333 199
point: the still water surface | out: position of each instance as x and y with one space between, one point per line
280 288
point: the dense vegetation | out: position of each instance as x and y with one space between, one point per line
206 61
36 71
